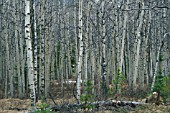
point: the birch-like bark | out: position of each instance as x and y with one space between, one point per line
42 48
98 54
35 51
86 49
80 38
117 43
123 36
86 52
157 61
123 43
29 53
113 73
52 76
75 39
48 50
90 38
138 41
103 53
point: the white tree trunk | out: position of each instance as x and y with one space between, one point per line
35 52
123 36
138 41
103 53
80 51
29 52
92 56
157 61
42 49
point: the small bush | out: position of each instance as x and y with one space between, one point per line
162 85
87 96
42 108
119 80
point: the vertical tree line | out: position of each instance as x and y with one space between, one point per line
100 41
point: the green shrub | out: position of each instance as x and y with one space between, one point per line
119 80
162 85
42 108
87 96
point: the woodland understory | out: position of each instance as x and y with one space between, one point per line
85 55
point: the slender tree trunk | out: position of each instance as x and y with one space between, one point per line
35 51
157 61
92 56
103 53
147 47
21 43
123 36
20 84
42 48
29 53
8 66
138 42
75 39
80 51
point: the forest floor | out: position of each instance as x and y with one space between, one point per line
15 105
11 105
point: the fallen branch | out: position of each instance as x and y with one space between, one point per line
97 104
107 105
18 109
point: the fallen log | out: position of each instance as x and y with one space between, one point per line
18 109
97 105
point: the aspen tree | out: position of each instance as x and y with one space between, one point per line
117 41
147 46
123 35
67 42
138 43
48 49
75 39
103 52
22 49
57 42
17 54
157 60
98 54
61 58
8 66
35 50
123 41
80 38
113 67
1 26
90 38
29 53
42 48
51 37
86 51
